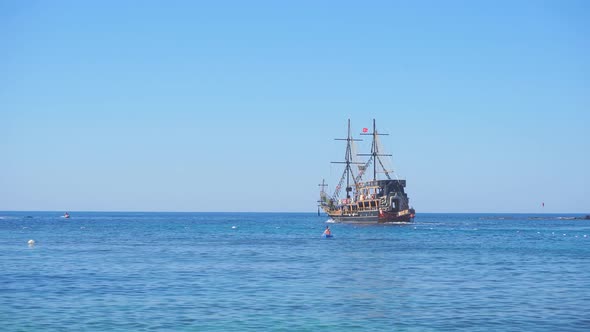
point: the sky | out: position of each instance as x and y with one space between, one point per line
233 105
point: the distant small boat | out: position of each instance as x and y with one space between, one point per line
67 215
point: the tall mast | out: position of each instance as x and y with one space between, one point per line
348 161
323 185
375 152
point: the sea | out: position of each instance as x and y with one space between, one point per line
115 271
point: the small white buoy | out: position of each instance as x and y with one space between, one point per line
585 235
234 227
31 242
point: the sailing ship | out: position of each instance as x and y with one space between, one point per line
366 201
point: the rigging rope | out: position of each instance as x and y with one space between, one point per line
361 173
384 170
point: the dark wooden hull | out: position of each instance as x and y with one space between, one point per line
373 217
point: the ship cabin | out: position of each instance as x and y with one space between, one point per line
367 196
385 194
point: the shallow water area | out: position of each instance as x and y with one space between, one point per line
274 271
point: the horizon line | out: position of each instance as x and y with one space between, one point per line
290 212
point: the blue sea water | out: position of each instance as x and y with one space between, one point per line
273 272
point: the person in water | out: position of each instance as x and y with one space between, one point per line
327 232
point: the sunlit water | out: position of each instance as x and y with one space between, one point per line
260 272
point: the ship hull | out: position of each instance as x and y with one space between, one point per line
373 217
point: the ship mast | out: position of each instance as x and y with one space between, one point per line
323 185
348 161
375 154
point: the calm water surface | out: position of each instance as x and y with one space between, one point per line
255 272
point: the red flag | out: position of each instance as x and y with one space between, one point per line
365 130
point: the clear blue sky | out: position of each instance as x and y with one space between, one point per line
232 106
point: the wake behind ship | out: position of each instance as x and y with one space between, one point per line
372 201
